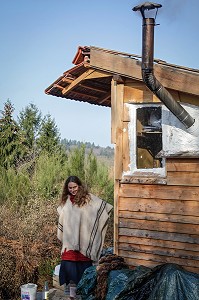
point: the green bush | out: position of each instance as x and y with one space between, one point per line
49 174
15 186
103 186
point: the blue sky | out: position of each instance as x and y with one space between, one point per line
39 39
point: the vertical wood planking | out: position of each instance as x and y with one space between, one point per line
119 131
113 111
126 148
116 218
117 93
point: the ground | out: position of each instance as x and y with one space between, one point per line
54 294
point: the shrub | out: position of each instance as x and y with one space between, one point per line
48 175
15 186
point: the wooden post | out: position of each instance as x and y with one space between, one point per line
117 95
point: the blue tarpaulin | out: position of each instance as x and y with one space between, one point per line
164 282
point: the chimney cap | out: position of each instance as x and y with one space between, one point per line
147 5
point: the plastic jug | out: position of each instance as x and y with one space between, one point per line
29 291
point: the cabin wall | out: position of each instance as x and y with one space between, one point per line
159 223
156 220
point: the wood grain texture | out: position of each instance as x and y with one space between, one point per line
158 225
159 192
158 243
170 77
134 262
159 235
178 207
158 259
158 217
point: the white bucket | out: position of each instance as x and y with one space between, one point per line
28 291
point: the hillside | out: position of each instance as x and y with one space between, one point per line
104 154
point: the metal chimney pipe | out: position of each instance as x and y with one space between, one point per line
150 80
147 68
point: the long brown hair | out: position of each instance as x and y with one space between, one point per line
81 198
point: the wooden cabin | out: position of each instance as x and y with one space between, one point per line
156 160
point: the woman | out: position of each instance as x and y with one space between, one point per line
82 225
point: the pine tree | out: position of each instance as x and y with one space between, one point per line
11 146
76 162
29 120
49 137
91 169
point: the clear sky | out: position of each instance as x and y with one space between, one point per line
39 39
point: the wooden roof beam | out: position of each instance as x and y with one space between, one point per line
105 98
58 86
91 88
85 95
77 81
68 79
170 77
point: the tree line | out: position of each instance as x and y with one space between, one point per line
107 152
34 161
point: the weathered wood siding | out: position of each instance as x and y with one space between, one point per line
155 221
160 223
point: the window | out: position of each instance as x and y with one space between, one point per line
149 137
145 140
